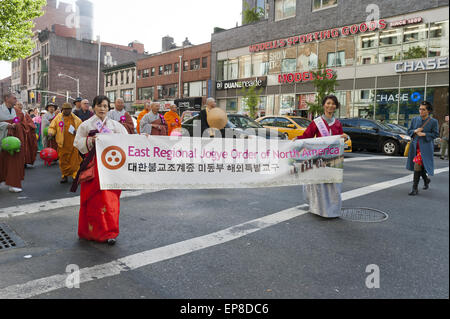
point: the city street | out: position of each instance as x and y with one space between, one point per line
244 243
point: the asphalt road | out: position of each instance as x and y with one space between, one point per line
301 257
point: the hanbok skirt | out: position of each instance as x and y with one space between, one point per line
99 211
325 199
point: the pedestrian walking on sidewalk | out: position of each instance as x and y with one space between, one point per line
325 199
99 210
444 139
423 131
64 128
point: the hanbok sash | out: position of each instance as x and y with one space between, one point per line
322 127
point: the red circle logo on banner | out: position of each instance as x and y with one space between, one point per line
113 158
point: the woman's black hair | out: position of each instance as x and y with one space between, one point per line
428 105
331 97
99 99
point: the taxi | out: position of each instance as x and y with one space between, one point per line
294 126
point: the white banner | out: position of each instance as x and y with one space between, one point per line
133 162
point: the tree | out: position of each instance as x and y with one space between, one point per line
324 86
16 24
251 99
415 53
251 15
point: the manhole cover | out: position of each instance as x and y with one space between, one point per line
9 239
364 215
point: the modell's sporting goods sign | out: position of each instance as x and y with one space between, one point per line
140 162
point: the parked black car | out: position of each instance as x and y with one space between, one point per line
374 136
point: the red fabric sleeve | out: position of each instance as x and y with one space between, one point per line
311 132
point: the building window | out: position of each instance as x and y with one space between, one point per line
439 35
260 64
186 66
145 74
111 95
336 59
160 72
204 88
323 4
176 67
195 64
204 62
146 93
367 49
261 4
390 46
245 67
153 72
168 69
284 9
127 95
415 42
186 90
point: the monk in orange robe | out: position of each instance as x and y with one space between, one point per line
12 123
64 128
147 109
173 120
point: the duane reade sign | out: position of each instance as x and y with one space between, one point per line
239 84
422 65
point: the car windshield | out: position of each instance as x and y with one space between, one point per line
396 128
301 121
248 123
386 127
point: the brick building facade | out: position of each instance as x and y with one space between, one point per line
161 77
5 87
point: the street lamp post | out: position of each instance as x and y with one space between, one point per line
77 80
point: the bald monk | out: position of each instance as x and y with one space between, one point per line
147 109
12 167
120 115
64 129
173 120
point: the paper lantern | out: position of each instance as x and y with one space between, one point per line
217 118
49 155
11 145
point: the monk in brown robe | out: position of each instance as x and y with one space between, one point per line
123 117
12 123
147 109
173 120
154 123
30 146
64 129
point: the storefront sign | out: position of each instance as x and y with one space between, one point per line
320 35
422 65
137 162
239 84
301 77
404 22
405 97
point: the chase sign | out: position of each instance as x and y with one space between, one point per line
422 65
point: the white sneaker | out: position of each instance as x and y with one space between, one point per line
15 190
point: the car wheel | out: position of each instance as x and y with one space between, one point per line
390 148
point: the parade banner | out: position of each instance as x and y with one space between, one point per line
136 162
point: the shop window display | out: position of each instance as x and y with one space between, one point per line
289 62
363 104
410 100
232 106
287 105
387 105
276 58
